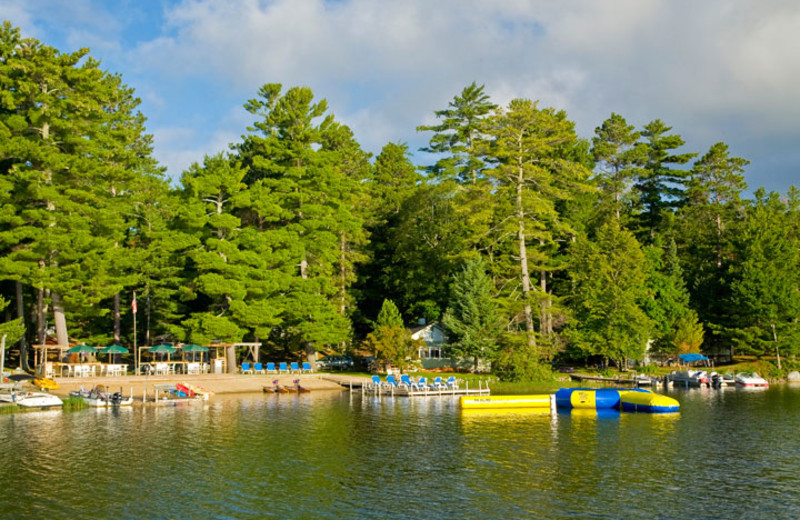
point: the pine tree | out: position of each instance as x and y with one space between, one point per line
472 318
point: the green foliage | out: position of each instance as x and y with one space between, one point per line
522 364
389 316
472 319
609 288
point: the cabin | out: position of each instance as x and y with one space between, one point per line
434 353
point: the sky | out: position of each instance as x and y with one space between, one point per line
716 70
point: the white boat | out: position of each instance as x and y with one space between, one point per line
98 398
750 380
31 399
689 378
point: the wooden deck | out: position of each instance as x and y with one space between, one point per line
405 391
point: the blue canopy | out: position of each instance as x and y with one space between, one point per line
688 358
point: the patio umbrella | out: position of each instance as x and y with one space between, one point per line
82 349
113 349
194 348
162 349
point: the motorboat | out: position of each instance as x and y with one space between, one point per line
686 378
722 380
99 397
31 399
750 380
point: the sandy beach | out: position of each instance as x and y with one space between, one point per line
217 383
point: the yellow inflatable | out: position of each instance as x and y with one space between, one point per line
45 383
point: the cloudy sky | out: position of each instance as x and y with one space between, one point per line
716 70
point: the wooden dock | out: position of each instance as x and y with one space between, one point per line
406 391
601 379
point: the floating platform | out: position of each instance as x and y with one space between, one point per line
543 401
628 400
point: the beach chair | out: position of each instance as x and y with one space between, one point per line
376 382
406 382
246 369
451 383
391 382
306 367
258 368
437 384
282 367
271 368
294 367
421 384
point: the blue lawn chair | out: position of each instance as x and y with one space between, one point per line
295 367
258 368
390 382
271 368
452 383
406 381
376 381
282 367
437 384
306 367
422 384
246 369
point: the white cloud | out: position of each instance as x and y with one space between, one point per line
714 70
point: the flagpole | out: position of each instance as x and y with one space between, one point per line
135 349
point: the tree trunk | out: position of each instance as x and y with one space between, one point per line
523 264
311 354
23 343
117 316
60 319
777 350
40 313
230 359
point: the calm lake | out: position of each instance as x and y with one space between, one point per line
728 454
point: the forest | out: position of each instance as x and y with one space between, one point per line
527 242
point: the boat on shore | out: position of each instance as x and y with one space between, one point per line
750 380
31 399
99 397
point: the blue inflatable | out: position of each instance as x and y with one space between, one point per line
628 400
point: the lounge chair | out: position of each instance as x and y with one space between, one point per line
246 368
451 383
306 367
421 384
283 367
437 384
390 382
405 381
258 368
271 368
295 367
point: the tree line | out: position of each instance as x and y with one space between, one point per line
526 241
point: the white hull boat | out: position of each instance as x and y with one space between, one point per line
750 380
31 399
686 378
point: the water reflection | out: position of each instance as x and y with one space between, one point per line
336 455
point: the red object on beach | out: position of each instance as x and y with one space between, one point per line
185 389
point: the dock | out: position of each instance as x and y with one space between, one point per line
402 390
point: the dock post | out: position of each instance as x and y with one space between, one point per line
552 403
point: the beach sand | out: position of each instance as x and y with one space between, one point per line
217 383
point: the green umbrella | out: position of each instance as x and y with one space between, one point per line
162 349
114 349
194 348
82 349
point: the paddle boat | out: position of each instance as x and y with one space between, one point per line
750 380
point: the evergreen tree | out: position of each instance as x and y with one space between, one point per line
618 154
390 340
767 291
609 288
658 184
472 319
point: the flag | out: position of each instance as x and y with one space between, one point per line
134 307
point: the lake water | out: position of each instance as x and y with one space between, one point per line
728 454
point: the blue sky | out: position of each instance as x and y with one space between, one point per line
717 70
